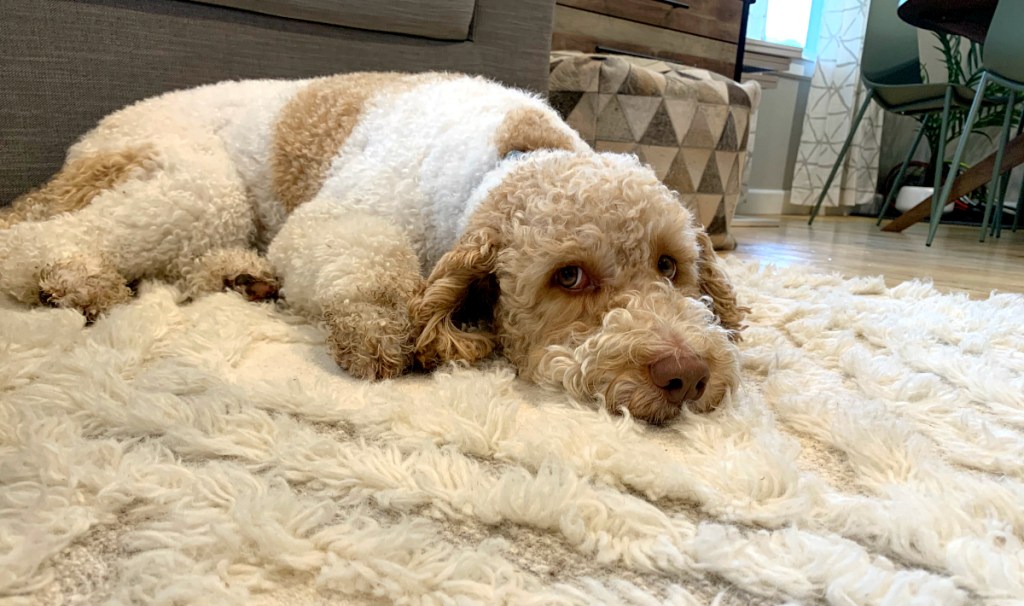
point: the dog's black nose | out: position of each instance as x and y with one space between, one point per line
683 376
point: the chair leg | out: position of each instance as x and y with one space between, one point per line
1020 206
939 202
940 153
1020 195
940 157
1004 182
842 154
993 190
997 221
899 176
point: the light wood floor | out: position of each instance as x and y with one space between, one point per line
853 246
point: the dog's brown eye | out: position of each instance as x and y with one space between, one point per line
572 277
667 266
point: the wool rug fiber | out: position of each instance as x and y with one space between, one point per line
211 453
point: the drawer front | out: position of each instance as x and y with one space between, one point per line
590 32
717 19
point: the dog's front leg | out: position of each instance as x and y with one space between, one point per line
356 272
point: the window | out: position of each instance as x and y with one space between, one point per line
787 22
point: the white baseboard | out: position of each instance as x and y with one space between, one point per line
755 221
763 202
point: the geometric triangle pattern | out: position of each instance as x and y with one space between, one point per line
699 134
681 112
612 124
658 157
691 126
660 130
638 111
564 101
728 139
695 160
710 181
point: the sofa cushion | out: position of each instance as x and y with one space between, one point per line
437 19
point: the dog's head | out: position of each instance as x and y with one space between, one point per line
590 275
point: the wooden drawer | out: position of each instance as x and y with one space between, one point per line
717 19
591 32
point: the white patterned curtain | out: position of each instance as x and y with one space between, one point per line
835 96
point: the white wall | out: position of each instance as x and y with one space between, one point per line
778 127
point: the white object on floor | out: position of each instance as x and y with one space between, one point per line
910 195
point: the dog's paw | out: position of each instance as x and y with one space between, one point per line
239 269
86 284
259 287
370 341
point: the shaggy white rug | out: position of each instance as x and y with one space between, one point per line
213 454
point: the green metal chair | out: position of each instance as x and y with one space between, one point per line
1002 63
891 71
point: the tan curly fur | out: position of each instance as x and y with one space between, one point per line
78 182
240 269
527 129
346 230
614 219
361 287
368 340
315 124
371 334
87 283
439 338
715 284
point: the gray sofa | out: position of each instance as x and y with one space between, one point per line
67 63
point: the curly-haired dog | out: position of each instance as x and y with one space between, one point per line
582 268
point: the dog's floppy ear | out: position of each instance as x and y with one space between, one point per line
715 284
453 315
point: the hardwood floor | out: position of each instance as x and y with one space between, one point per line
853 246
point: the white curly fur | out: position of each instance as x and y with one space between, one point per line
418 183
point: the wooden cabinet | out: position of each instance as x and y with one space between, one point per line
701 33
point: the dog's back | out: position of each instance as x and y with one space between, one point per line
411 145
128 142
163 184
416 156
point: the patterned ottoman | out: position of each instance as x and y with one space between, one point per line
690 125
